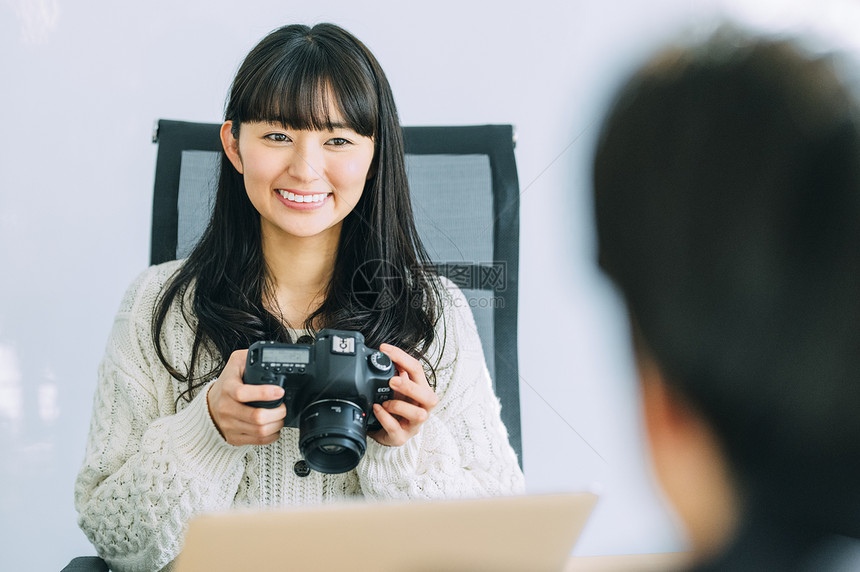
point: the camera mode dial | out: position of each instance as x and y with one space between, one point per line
379 362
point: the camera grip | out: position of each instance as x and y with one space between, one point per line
268 379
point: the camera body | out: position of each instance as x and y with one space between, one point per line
330 387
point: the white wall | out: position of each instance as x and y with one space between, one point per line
80 86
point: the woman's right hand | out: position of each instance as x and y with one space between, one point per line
238 423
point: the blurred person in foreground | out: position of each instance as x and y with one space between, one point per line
727 200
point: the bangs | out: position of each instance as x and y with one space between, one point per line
297 89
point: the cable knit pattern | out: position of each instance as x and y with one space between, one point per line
153 460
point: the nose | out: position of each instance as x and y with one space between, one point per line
303 165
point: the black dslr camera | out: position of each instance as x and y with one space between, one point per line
329 390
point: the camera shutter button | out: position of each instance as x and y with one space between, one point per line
379 361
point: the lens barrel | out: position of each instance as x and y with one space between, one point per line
332 435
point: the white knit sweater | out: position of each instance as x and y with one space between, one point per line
153 460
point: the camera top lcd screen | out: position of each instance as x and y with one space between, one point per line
286 355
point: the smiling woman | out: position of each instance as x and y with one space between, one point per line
312 187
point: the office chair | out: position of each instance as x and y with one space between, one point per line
465 196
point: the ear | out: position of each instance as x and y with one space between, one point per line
231 146
666 416
688 460
674 428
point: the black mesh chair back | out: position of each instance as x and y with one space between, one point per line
465 195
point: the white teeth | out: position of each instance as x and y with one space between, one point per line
303 198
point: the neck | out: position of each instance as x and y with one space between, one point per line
300 269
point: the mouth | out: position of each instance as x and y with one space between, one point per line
301 198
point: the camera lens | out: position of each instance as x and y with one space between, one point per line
332 435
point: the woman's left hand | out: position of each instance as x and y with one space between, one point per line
402 415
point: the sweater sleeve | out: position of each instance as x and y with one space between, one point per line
462 450
147 467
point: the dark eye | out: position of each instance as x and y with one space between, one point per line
338 141
277 137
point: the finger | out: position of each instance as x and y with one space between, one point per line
390 423
247 393
256 428
413 414
231 379
405 362
255 431
230 412
261 415
394 434
421 394
238 390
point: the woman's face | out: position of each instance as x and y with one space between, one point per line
303 183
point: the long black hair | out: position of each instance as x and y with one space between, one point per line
379 285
